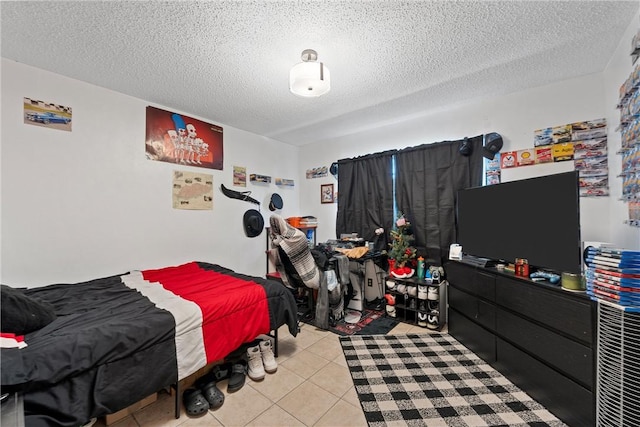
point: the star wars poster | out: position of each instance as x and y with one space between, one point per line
176 138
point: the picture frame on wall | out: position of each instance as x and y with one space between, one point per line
326 193
176 138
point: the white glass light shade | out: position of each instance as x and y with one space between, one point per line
309 79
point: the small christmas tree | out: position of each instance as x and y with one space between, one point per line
401 250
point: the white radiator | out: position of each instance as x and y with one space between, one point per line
618 367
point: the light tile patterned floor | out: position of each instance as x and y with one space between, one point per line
312 387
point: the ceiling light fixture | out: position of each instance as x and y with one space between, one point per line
309 78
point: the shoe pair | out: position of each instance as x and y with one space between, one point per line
235 372
260 359
427 306
429 320
204 396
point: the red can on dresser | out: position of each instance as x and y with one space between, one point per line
522 267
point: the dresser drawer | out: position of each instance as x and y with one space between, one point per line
474 308
568 400
551 308
473 336
568 356
472 280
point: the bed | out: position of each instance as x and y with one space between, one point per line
116 340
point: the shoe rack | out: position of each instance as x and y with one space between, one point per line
417 301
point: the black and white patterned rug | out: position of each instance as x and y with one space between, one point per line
433 380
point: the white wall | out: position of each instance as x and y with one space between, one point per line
515 117
87 203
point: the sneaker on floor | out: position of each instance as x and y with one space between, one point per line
254 360
268 359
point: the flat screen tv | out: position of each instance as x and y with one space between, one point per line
537 219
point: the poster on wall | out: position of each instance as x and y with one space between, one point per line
544 154
283 182
176 138
526 157
239 176
508 160
542 137
192 190
591 157
47 114
589 129
585 143
561 134
492 167
562 152
318 172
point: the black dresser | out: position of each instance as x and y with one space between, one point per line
540 336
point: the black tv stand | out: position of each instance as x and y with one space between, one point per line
477 261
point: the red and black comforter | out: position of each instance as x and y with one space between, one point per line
119 339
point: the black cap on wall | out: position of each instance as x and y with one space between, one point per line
492 145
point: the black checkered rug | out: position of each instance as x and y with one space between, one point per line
433 380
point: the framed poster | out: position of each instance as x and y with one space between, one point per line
180 139
47 114
326 193
192 190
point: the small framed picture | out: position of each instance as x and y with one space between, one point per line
326 193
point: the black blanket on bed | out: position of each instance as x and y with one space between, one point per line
109 347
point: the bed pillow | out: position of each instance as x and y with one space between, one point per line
21 314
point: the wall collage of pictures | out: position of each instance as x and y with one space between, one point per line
629 106
583 143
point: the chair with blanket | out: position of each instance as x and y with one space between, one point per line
302 269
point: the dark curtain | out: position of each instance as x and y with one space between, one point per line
427 180
365 197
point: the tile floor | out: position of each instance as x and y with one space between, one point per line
312 387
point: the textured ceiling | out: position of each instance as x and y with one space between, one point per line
228 61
